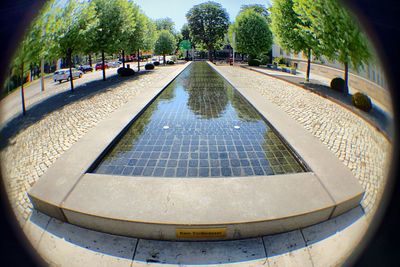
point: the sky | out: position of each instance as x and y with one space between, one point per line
177 9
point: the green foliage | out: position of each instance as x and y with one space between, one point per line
185 31
339 85
113 25
165 43
361 101
279 61
165 24
150 34
260 9
338 32
254 62
208 22
253 35
291 31
264 58
73 27
149 66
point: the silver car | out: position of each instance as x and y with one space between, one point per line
63 74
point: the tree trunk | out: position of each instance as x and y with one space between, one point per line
90 60
42 74
138 60
210 55
103 65
164 59
22 90
71 80
123 59
346 76
308 65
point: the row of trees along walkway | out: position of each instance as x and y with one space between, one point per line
97 26
321 28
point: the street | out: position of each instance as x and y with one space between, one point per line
11 105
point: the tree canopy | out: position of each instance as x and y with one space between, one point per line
260 9
165 43
292 32
253 35
208 23
338 32
165 24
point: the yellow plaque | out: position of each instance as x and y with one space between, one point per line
201 232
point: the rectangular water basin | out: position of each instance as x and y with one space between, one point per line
199 126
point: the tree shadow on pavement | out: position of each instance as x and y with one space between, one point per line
39 110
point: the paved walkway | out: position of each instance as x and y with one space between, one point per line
355 142
49 130
378 116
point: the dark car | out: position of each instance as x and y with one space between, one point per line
85 68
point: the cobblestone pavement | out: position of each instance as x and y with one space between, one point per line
33 149
355 142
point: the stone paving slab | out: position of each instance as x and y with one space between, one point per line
67 245
248 251
340 236
363 149
287 249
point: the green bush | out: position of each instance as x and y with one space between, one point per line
279 61
156 63
361 101
125 72
264 58
149 66
339 85
254 62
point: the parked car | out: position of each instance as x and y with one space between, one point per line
63 74
114 64
85 68
99 66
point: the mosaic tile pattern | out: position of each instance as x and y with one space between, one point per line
199 127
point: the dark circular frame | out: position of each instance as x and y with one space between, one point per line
379 19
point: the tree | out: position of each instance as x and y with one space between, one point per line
109 33
72 26
185 31
338 32
165 44
208 24
260 9
165 24
292 32
43 31
253 35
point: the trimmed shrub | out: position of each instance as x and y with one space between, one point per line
149 66
125 72
279 61
254 62
156 63
264 58
339 85
361 101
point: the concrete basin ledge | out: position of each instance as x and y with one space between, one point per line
155 207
